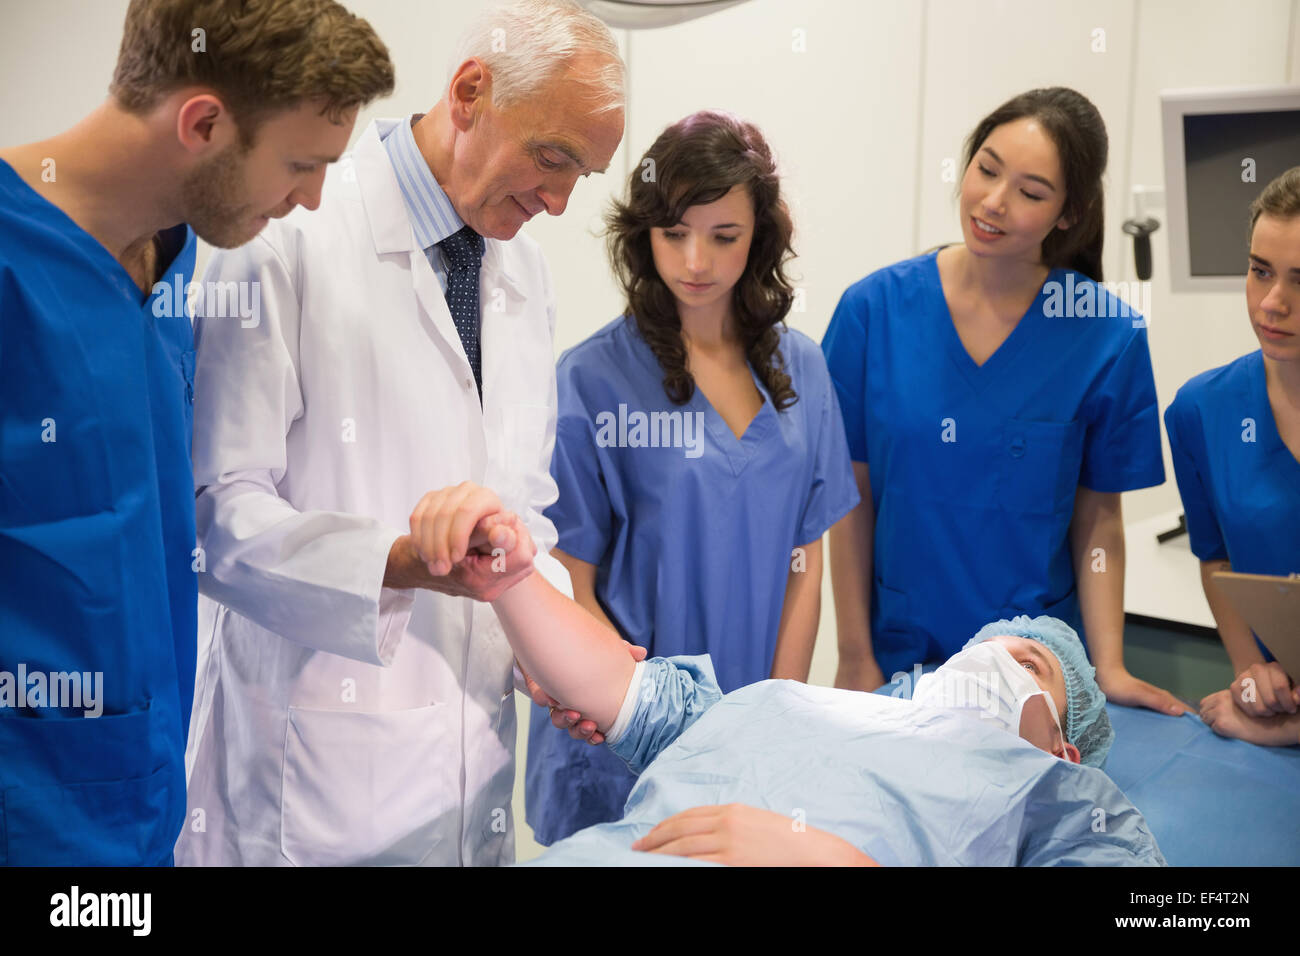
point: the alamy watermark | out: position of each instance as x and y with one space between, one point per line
676 429
213 300
1086 300
60 690
130 910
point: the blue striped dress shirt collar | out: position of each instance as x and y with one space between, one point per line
433 217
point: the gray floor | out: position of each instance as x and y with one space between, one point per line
1188 665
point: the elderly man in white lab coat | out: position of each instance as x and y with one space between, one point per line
354 703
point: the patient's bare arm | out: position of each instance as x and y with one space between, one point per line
576 659
739 835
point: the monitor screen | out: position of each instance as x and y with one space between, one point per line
1215 148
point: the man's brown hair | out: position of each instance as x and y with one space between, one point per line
1280 198
260 56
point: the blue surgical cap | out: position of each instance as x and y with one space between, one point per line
1086 724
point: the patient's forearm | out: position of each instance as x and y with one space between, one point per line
576 659
582 575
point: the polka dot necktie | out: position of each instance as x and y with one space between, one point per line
463 252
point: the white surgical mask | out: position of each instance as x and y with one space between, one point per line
987 683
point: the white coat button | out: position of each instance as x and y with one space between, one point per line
469 383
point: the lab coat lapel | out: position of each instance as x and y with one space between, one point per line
496 280
390 229
433 303
501 302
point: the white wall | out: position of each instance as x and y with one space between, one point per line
56 60
1293 59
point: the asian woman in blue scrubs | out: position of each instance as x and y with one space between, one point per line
997 401
1235 436
699 450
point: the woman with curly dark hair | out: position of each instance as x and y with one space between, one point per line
699 453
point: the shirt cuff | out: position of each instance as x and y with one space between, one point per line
393 613
520 684
625 712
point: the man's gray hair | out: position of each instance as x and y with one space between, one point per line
525 43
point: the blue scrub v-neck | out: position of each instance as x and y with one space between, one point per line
1004 356
975 468
739 451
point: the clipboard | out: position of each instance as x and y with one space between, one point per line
1271 606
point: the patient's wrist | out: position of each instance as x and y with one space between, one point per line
520 594
628 707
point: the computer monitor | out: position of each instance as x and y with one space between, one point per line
1222 147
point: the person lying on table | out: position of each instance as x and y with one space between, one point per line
978 768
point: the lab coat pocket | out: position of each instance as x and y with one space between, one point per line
378 789
1038 466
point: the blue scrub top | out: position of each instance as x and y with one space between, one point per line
1239 482
974 468
96 535
692 542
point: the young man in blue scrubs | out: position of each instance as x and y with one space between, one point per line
1235 436
97 540
997 402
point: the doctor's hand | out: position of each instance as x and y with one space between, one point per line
740 835
461 543
570 720
1121 687
1263 689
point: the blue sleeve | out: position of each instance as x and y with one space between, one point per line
1077 817
845 348
8 294
674 693
1191 468
834 491
1121 450
581 514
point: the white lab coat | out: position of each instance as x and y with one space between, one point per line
336 721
